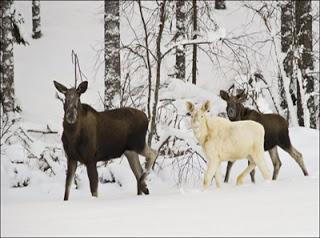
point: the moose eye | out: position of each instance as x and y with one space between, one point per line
188 114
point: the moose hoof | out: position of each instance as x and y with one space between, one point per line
142 184
143 189
239 182
146 191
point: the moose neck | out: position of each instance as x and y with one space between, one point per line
247 113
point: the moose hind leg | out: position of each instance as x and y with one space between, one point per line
150 155
263 167
297 156
229 166
218 176
275 161
133 159
93 178
247 170
252 173
72 166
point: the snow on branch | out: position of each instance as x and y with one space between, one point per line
210 38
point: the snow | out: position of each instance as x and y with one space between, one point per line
286 207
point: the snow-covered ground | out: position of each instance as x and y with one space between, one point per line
286 207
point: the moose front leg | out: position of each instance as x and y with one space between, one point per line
72 166
93 178
211 170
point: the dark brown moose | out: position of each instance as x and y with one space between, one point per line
90 136
276 132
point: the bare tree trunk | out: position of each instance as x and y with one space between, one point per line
220 4
195 32
180 35
153 128
112 53
6 55
146 40
287 41
305 62
36 26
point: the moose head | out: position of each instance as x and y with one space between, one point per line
234 104
197 115
72 100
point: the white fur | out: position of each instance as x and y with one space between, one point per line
223 140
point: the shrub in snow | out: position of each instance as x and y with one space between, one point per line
21 153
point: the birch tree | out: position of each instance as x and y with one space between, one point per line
306 106
287 40
296 44
7 66
36 26
194 32
180 35
112 73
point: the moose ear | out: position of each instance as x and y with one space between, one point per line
206 106
190 106
82 87
224 95
60 87
242 96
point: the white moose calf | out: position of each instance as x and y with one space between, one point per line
223 140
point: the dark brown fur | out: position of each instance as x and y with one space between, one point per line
90 136
276 131
101 136
275 126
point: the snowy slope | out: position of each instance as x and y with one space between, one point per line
287 207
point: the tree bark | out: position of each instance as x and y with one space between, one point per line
296 43
36 26
112 53
180 35
6 55
287 41
305 62
195 32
